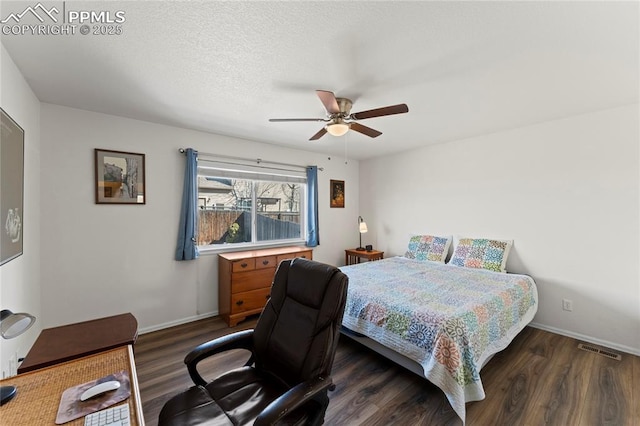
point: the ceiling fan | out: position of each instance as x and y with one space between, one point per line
340 118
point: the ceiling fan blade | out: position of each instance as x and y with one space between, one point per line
296 119
379 112
329 101
365 130
318 135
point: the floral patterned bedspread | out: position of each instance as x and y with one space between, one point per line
449 319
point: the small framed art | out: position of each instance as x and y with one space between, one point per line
120 177
337 193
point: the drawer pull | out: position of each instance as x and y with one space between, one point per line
267 296
303 256
265 262
244 265
239 302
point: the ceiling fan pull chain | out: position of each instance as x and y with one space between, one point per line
346 156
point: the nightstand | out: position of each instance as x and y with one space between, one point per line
353 256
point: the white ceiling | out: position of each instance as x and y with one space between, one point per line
463 68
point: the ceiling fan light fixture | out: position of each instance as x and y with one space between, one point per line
337 129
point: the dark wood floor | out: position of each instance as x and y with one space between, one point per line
540 379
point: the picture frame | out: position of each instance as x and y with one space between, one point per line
120 177
11 188
337 195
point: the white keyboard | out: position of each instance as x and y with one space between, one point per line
118 415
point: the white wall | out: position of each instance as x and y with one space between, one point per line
20 277
566 191
100 260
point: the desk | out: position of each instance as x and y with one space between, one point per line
59 344
39 392
353 256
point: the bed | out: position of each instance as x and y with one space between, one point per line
441 321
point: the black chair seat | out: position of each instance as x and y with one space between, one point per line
235 398
193 407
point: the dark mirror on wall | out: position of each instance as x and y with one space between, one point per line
11 188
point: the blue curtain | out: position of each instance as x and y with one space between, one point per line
313 238
187 248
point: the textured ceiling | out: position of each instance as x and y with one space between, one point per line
463 68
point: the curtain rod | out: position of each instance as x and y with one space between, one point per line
257 160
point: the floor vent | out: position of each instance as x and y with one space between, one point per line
600 351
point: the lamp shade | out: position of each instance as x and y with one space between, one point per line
363 227
13 325
337 129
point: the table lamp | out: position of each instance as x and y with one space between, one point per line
362 228
12 325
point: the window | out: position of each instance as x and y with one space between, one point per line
244 204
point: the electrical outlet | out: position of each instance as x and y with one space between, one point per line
567 305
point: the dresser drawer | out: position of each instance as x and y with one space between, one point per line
249 300
266 262
303 254
244 265
252 280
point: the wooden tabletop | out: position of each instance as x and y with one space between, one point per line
39 392
352 256
275 251
59 344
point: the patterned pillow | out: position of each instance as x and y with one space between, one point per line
481 253
428 247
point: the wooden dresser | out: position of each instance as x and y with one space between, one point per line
245 277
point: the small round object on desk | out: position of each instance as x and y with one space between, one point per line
7 393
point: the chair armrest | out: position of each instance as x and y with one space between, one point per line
239 340
292 399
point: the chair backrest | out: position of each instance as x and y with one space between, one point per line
296 336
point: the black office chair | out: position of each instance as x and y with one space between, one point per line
287 377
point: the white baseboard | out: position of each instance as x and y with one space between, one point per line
176 322
589 339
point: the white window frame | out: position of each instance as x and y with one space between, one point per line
248 170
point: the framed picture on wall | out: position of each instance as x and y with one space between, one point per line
11 188
337 193
120 177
